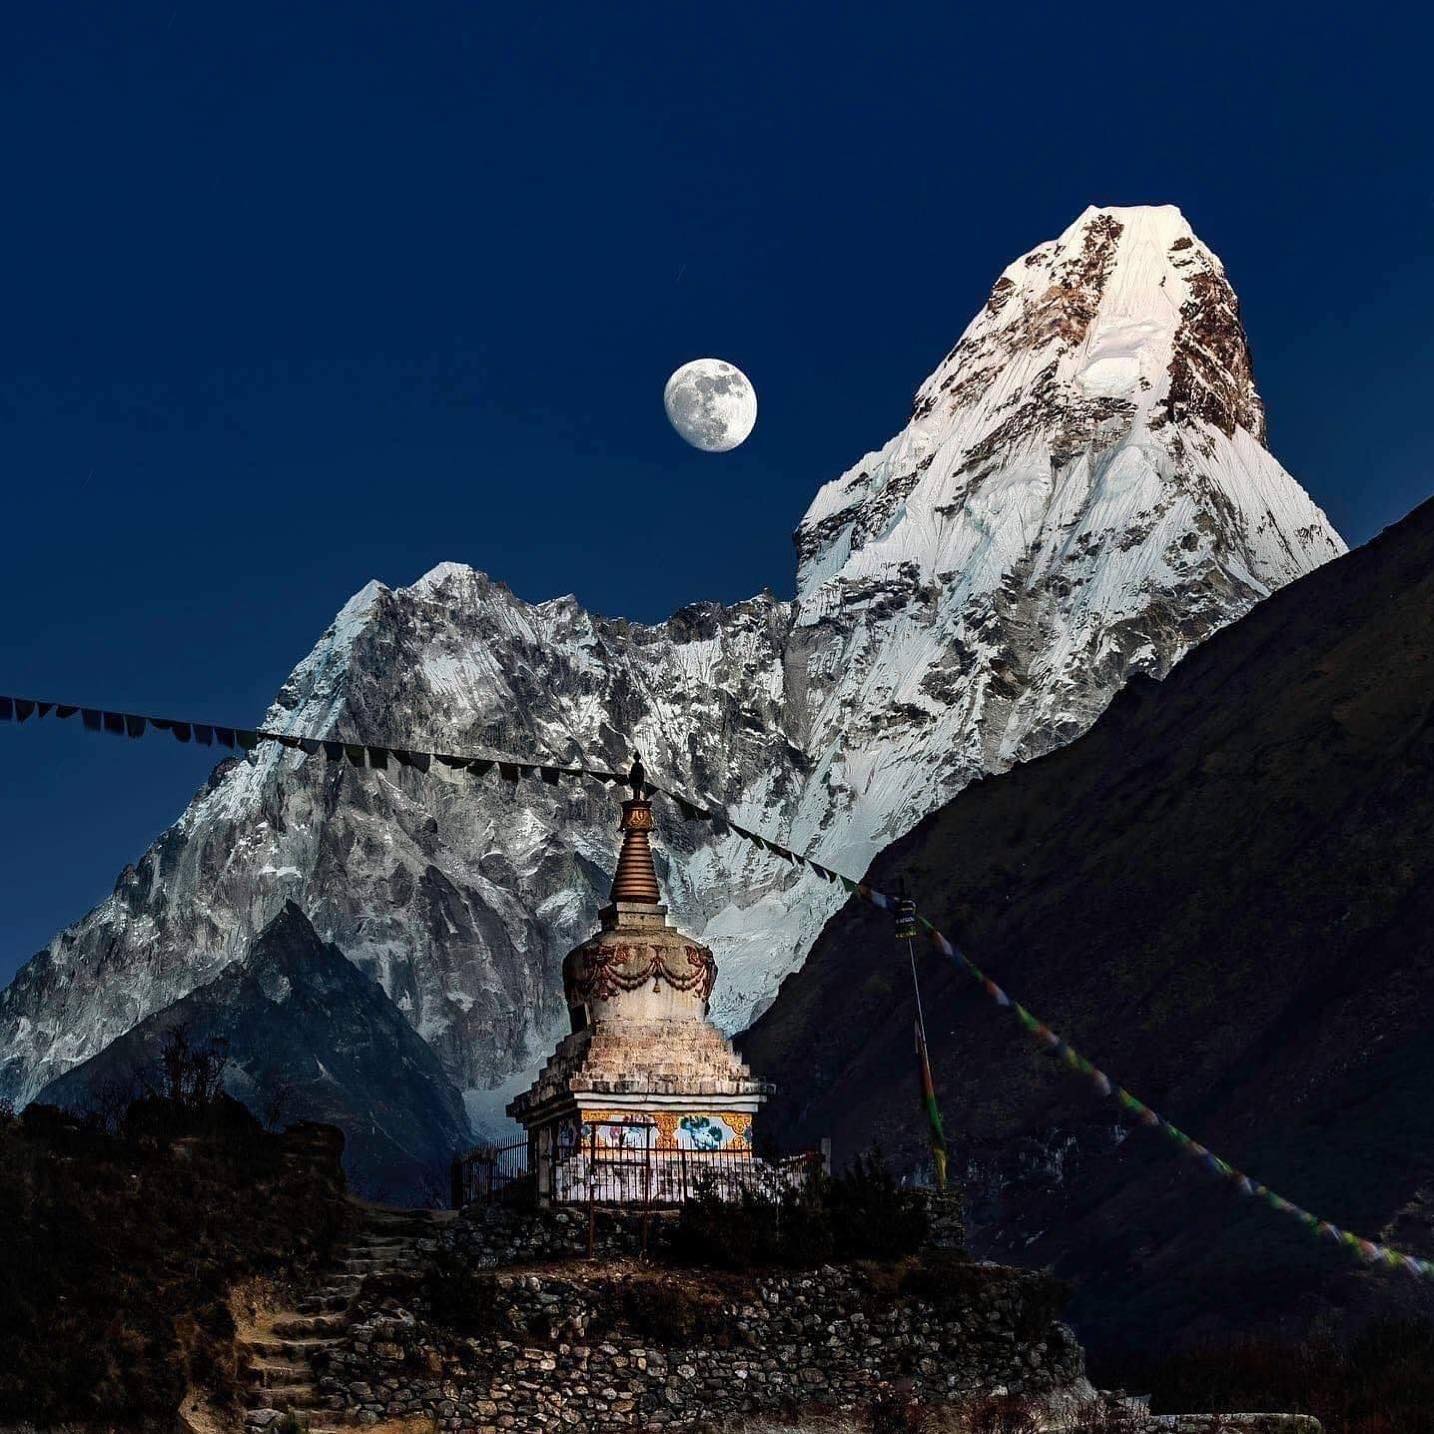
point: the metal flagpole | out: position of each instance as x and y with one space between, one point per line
906 931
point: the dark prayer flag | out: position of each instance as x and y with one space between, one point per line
181 731
334 751
311 747
246 739
91 718
65 711
354 752
133 726
7 709
378 757
203 734
449 761
42 708
480 768
225 737
550 775
114 722
23 708
508 771
933 1111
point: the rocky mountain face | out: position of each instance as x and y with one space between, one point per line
1080 495
1223 895
308 1037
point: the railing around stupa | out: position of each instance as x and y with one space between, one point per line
492 1174
627 1164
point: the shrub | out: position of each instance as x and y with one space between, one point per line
1000 1414
871 1216
731 1234
665 1312
860 1214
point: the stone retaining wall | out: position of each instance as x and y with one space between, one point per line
559 1343
608 1348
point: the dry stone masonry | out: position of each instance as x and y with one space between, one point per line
558 1342
615 1346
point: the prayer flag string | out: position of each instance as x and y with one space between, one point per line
354 754
1371 1251
377 757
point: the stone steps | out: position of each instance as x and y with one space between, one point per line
292 1396
268 1417
275 1372
281 1374
269 1347
335 1303
297 1326
336 1291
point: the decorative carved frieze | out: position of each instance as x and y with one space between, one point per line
606 969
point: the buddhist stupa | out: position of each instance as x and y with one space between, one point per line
643 1069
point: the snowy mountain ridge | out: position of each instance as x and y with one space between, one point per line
1081 493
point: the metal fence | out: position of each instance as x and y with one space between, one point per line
654 1175
489 1174
626 1164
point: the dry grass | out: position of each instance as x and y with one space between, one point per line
978 1414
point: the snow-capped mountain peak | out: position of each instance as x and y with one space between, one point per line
1081 493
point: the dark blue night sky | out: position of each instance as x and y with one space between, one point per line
300 295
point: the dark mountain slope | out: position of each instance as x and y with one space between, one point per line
311 1038
1222 894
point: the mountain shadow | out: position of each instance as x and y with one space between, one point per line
308 1037
1224 896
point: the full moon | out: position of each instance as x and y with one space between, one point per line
711 404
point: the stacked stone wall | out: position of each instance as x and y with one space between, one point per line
618 1345
559 1342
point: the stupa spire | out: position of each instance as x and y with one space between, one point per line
636 878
